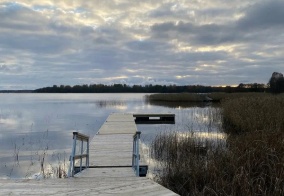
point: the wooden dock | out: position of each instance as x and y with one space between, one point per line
110 171
112 146
154 118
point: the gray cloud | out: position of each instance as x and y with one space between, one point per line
258 17
207 34
190 42
10 69
266 14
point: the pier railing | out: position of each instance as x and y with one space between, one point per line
82 138
136 155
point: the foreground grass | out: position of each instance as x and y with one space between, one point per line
251 162
251 165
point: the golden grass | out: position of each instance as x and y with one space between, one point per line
251 162
253 113
226 96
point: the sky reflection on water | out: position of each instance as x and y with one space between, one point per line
36 125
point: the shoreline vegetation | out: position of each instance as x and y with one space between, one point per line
199 97
275 85
250 162
124 88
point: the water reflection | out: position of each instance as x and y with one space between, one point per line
120 105
37 127
203 136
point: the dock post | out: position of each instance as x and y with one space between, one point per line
88 155
72 159
136 155
81 160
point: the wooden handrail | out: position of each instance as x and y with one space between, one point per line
80 136
73 156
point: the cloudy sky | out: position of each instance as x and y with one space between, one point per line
216 42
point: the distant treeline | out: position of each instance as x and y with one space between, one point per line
16 91
123 88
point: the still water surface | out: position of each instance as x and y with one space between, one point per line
37 128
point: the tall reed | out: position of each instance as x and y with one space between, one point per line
198 97
250 162
253 113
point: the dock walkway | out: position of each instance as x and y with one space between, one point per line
110 171
112 146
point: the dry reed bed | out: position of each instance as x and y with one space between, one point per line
195 97
226 96
254 113
251 163
176 97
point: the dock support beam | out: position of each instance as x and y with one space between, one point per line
136 155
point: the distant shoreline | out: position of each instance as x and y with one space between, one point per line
123 88
17 91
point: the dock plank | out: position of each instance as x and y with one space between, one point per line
118 117
118 128
118 124
111 150
84 186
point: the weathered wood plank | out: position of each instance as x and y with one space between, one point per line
118 128
111 150
118 124
93 181
112 146
120 117
91 185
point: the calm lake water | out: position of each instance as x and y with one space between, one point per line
37 128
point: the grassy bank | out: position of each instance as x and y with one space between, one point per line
251 162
